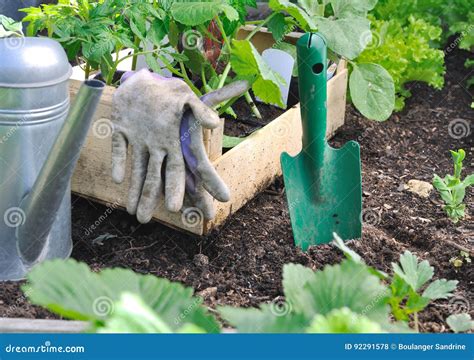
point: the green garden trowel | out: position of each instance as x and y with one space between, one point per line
323 185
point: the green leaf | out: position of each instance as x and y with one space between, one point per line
247 63
350 285
194 13
72 290
302 17
263 320
372 91
346 37
341 321
278 27
413 273
157 32
351 8
348 253
460 322
231 141
295 278
440 289
132 315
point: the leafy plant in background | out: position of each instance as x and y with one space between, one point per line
347 29
92 31
113 297
405 51
452 188
9 27
460 322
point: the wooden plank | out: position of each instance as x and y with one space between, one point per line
17 325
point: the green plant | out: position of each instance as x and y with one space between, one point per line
410 277
345 297
452 188
9 27
347 29
92 31
405 51
116 299
460 322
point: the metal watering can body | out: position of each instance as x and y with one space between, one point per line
40 142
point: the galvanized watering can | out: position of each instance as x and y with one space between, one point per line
40 142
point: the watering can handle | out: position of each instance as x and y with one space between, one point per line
312 69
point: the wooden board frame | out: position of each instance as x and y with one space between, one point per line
247 169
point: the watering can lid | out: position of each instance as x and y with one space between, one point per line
32 62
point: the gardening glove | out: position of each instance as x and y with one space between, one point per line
147 113
191 144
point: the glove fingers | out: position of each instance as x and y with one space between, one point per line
152 188
228 92
208 176
139 163
175 182
204 115
119 157
203 201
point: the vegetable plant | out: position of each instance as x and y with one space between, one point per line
113 297
452 188
92 31
9 27
406 52
347 29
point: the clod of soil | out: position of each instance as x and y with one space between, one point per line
241 265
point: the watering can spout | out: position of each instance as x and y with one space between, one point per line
42 203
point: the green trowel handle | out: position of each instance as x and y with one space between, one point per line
312 68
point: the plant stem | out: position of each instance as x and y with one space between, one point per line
188 80
415 318
87 71
135 56
259 27
254 108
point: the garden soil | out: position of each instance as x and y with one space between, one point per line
241 264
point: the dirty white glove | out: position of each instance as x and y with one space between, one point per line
147 114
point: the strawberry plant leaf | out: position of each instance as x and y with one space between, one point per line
372 91
295 277
350 285
248 63
460 322
72 290
278 27
413 273
343 321
440 289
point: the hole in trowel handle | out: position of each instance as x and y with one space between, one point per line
318 68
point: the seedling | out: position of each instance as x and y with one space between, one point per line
452 188
460 260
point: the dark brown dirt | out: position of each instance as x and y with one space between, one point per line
241 264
